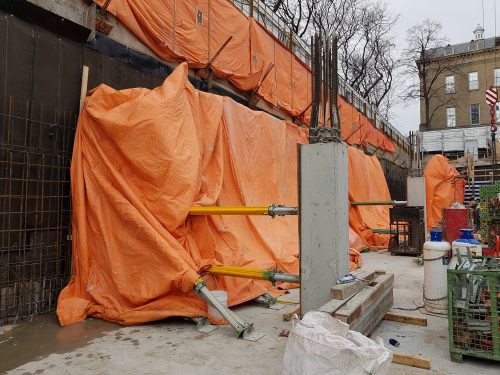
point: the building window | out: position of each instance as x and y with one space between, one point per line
497 112
496 80
450 84
450 117
473 81
474 114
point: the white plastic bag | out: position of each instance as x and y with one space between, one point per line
321 344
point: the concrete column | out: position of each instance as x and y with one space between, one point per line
323 221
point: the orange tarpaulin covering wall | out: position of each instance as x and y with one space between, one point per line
442 187
367 183
193 31
141 159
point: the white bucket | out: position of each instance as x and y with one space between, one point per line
213 315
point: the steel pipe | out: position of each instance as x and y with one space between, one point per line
240 326
273 210
380 203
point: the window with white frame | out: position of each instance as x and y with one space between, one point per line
496 77
497 112
449 84
473 81
474 114
450 117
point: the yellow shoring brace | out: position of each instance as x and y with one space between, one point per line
249 273
229 210
254 273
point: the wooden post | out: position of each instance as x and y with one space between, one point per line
83 89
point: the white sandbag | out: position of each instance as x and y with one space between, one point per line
321 344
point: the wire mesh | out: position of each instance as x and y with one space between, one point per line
35 215
473 309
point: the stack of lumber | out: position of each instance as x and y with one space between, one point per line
364 302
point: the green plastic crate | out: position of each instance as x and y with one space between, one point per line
473 318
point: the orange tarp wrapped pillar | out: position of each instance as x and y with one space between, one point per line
443 186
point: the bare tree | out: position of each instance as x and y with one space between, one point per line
298 14
424 67
366 49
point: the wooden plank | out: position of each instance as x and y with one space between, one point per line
362 301
343 291
290 311
333 305
402 318
409 360
371 318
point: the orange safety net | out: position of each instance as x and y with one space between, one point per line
443 186
141 159
367 183
195 31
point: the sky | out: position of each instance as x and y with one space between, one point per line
458 17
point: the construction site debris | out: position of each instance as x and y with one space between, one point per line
321 344
411 360
402 318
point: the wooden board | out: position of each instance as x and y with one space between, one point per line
402 318
371 318
361 302
290 311
409 360
343 291
333 305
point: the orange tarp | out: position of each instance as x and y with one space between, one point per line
367 183
443 186
141 159
193 31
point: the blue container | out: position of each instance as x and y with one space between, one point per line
436 235
467 236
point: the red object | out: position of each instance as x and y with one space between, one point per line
493 251
454 219
491 96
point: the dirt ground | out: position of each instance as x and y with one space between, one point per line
174 346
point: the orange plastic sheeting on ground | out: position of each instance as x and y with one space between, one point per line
367 183
443 186
194 31
141 159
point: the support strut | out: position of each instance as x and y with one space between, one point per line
273 210
240 326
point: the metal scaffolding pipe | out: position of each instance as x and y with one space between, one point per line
387 231
241 327
273 210
380 203
255 273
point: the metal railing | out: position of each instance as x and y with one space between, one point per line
274 24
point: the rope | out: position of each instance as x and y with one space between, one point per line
433 259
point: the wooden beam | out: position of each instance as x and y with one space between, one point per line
409 360
396 317
343 291
290 311
367 296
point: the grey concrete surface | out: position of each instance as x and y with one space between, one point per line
174 347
